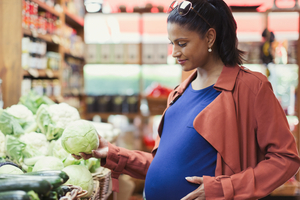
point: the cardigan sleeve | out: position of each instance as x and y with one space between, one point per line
279 147
123 161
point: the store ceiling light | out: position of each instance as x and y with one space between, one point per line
93 6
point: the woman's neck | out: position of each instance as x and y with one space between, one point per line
207 77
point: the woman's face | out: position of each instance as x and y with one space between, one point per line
190 50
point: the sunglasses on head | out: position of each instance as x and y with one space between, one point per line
184 8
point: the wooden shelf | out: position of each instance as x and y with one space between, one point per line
47 37
44 6
106 115
41 73
69 54
283 10
73 20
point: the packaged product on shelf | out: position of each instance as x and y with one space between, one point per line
47 87
104 103
33 11
37 86
53 60
26 86
42 23
25 44
56 88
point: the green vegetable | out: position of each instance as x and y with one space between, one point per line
26 184
33 101
37 141
55 181
59 173
51 196
33 195
80 176
59 191
70 160
9 125
19 151
65 189
56 150
24 116
15 148
10 169
14 195
80 136
53 119
91 164
48 163
2 145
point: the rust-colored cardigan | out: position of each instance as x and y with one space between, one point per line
246 125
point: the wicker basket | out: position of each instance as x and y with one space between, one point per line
102 187
103 177
157 105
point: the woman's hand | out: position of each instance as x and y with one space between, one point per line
197 194
99 153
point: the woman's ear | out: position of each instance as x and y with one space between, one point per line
211 37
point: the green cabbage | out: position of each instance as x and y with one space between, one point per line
48 163
80 176
10 169
80 136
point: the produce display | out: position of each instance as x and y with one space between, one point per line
37 137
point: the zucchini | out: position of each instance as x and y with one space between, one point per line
26 184
14 195
65 189
59 173
55 181
59 191
51 196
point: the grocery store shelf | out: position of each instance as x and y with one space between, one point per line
283 10
73 20
41 73
106 115
68 53
46 7
47 37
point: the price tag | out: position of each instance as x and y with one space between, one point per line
49 73
33 72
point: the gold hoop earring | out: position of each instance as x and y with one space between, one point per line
209 50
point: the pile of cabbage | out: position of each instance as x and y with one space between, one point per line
32 130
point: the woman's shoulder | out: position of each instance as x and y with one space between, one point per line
252 80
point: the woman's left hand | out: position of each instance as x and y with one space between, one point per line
197 194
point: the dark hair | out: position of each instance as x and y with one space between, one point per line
219 16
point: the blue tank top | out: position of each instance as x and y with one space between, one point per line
182 150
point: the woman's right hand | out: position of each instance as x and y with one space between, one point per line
99 153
